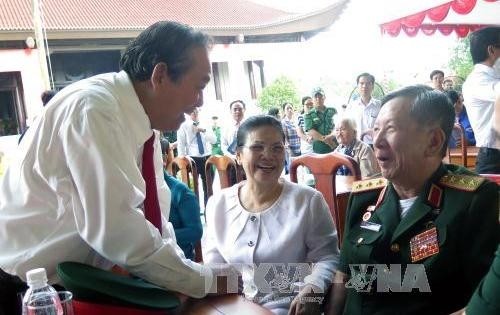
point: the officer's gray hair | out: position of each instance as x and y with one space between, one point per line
428 108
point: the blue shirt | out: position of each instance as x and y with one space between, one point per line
463 120
184 215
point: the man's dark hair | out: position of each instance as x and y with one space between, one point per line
434 72
237 101
452 95
47 96
168 42
304 99
255 122
165 146
480 40
366 74
428 107
273 111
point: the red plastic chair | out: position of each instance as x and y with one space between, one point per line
224 165
89 308
493 177
189 173
324 169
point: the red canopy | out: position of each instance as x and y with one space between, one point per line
430 20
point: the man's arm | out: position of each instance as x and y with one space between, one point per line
109 188
182 141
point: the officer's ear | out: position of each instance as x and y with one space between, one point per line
435 142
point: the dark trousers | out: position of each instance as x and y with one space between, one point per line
488 161
11 289
200 166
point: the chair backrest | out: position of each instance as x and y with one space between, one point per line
463 146
324 169
189 173
228 170
189 176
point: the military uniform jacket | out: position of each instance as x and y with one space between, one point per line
463 209
322 122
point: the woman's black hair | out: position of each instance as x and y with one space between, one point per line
254 122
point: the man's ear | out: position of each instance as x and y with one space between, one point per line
159 75
436 141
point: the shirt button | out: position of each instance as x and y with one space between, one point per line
250 243
395 247
253 218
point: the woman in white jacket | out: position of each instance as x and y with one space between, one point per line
281 230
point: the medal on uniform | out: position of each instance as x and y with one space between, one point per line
424 245
367 216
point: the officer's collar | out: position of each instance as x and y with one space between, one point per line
432 192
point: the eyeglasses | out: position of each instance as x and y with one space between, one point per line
259 148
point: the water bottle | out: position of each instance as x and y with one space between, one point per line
40 298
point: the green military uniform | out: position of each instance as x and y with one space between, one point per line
216 149
460 206
486 297
322 122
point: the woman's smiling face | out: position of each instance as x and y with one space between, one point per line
263 155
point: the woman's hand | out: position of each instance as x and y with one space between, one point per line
307 302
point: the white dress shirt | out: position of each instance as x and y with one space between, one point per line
480 91
364 116
74 192
187 143
297 228
228 135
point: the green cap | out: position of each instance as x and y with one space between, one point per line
317 90
88 283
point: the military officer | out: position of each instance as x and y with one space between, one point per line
418 240
318 123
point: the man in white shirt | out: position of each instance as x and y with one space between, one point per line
194 140
480 90
228 141
365 109
75 190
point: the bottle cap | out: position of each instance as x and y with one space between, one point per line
36 276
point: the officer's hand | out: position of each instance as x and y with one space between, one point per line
307 302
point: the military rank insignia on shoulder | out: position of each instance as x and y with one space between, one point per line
461 182
368 184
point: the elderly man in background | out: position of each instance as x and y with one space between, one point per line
418 240
365 109
362 153
480 90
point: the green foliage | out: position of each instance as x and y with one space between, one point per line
460 60
278 92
